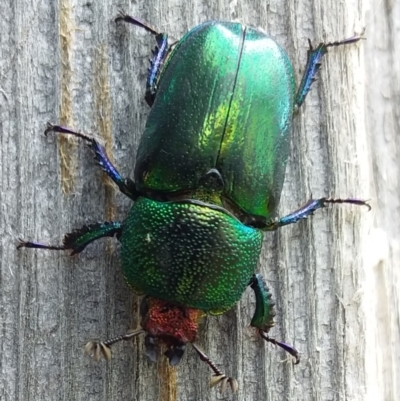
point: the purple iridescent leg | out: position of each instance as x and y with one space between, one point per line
264 314
125 185
79 239
160 53
314 58
308 209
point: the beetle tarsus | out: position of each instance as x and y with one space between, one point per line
347 41
65 130
122 16
38 245
355 201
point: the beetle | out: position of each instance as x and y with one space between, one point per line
208 176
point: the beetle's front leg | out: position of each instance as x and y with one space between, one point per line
308 209
314 58
125 185
263 318
79 239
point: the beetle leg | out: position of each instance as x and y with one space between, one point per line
96 349
219 377
308 209
125 185
160 53
314 58
79 239
264 314
288 348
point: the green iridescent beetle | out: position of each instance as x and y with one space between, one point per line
208 176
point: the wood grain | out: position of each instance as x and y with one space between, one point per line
334 277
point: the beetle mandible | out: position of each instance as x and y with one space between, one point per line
207 181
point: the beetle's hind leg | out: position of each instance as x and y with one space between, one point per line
160 53
264 314
314 58
125 185
79 239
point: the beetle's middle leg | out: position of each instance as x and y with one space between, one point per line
125 185
308 209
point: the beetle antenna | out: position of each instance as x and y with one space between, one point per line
97 348
219 377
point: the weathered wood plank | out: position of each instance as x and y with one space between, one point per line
334 276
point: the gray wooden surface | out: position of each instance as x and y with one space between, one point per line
335 277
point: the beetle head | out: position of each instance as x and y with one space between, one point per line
170 325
